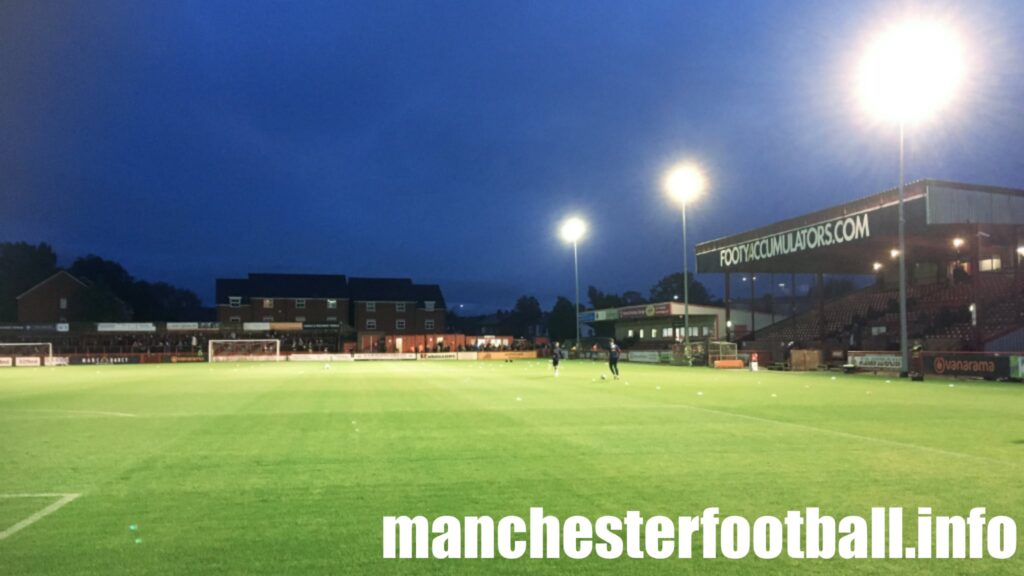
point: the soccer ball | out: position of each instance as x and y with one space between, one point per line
603 377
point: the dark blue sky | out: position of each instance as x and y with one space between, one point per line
446 140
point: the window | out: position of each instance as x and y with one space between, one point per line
371 306
429 304
300 304
235 319
641 333
399 324
268 318
666 333
400 307
63 303
235 301
371 324
332 304
268 302
429 325
991 264
629 334
332 318
300 318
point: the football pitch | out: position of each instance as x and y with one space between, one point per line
289 468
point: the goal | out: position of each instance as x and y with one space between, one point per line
265 350
25 353
721 351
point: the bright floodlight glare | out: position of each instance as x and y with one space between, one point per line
685 182
911 71
573 229
958 243
876 266
894 253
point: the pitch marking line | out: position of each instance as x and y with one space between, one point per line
837 433
78 412
60 503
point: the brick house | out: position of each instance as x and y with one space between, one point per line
54 300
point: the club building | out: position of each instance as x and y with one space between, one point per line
374 306
964 254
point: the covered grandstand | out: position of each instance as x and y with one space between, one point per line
964 253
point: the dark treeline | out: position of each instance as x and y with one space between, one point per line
527 319
111 295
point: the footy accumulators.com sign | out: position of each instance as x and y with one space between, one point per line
830 233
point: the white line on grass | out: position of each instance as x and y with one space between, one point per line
80 412
836 433
64 499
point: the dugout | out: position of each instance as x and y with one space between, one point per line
965 240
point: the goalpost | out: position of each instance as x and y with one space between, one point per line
261 350
721 351
25 353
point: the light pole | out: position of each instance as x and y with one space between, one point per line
683 184
909 72
572 230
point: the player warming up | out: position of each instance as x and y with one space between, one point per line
613 360
556 356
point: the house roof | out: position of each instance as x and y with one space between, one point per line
429 293
382 289
262 285
50 279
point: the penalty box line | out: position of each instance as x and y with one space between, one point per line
63 499
838 433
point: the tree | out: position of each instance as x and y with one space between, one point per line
599 300
525 315
22 266
633 298
562 320
671 288
99 304
105 273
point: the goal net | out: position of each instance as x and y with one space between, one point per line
266 350
721 351
25 353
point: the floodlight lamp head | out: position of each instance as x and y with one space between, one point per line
911 71
685 182
573 229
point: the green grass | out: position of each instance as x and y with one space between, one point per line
288 469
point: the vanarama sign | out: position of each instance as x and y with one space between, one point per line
829 233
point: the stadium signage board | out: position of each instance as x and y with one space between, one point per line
172 326
105 360
834 232
28 328
976 365
645 311
320 326
319 357
439 356
646 356
386 356
511 355
28 361
6 362
877 361
126 327
256 326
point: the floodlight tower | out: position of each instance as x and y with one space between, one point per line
908 73
572 230
683 184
